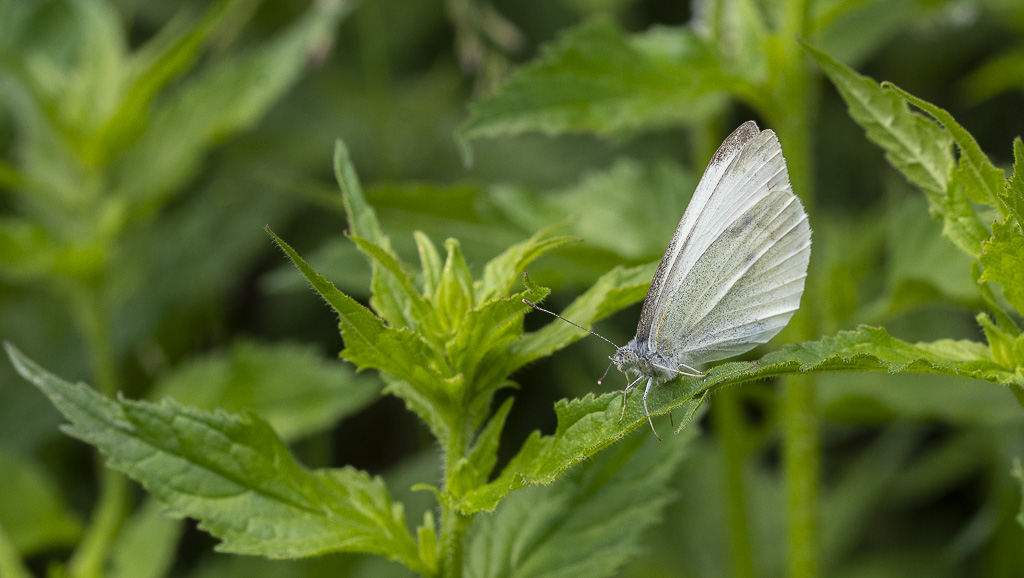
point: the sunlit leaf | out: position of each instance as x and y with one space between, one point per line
233 474
589 424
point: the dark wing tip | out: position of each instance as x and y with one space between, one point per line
735 141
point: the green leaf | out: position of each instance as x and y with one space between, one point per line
401 292
914 145
982 181
473 470
412 370
291 386
26 249
595 79
430 263
168 55
392 296
32 511
591 423
362 219
147 544
1003 258
613 291
233 474
588 524
222 98
1012 194
455 289
502 272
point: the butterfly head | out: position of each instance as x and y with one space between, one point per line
636 358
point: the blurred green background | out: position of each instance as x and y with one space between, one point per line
143 146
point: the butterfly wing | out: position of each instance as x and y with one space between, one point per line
735 268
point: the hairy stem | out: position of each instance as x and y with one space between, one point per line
453 522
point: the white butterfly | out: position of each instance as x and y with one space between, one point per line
732 275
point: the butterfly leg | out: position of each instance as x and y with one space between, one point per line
650 382
628 387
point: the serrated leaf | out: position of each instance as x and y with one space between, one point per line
595 79
502 272
1012 194
914 145
478 348
982 180
415 309
587 524
388 296
32 511
1003 319
588 424
291 386
233 474
410 367
1003 258
362 219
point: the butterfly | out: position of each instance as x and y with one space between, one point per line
733 273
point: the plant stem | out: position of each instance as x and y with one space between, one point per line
90 554
453 522
801 449
796 104
730 427
453 529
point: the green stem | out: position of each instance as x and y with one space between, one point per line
453 530
801 456
453 522
92 551
731 428
796 106
10 561
90 554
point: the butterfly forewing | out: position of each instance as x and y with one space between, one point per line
735 269
683 239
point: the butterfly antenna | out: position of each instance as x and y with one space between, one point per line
538 308
605 374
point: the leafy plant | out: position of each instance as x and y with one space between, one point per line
447 337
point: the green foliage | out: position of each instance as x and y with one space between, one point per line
32 512
290 386
232 472
613 497
145 144
597 80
